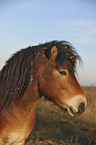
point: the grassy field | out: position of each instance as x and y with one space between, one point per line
54 127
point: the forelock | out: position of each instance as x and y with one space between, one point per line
67 54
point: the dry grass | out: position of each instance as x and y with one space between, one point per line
54 127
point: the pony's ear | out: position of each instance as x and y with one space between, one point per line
54 53
51 53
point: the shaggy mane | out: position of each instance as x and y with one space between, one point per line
15 75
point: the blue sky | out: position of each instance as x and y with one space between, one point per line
30 22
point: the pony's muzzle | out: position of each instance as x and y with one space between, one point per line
76 106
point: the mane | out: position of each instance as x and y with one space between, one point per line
15 75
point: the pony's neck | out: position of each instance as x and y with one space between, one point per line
31 97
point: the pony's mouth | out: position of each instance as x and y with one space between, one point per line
68 109
71 111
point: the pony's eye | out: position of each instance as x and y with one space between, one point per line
63 73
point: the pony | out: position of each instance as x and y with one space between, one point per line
44 70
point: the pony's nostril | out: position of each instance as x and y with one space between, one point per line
81 108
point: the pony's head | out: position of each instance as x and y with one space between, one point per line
57 79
